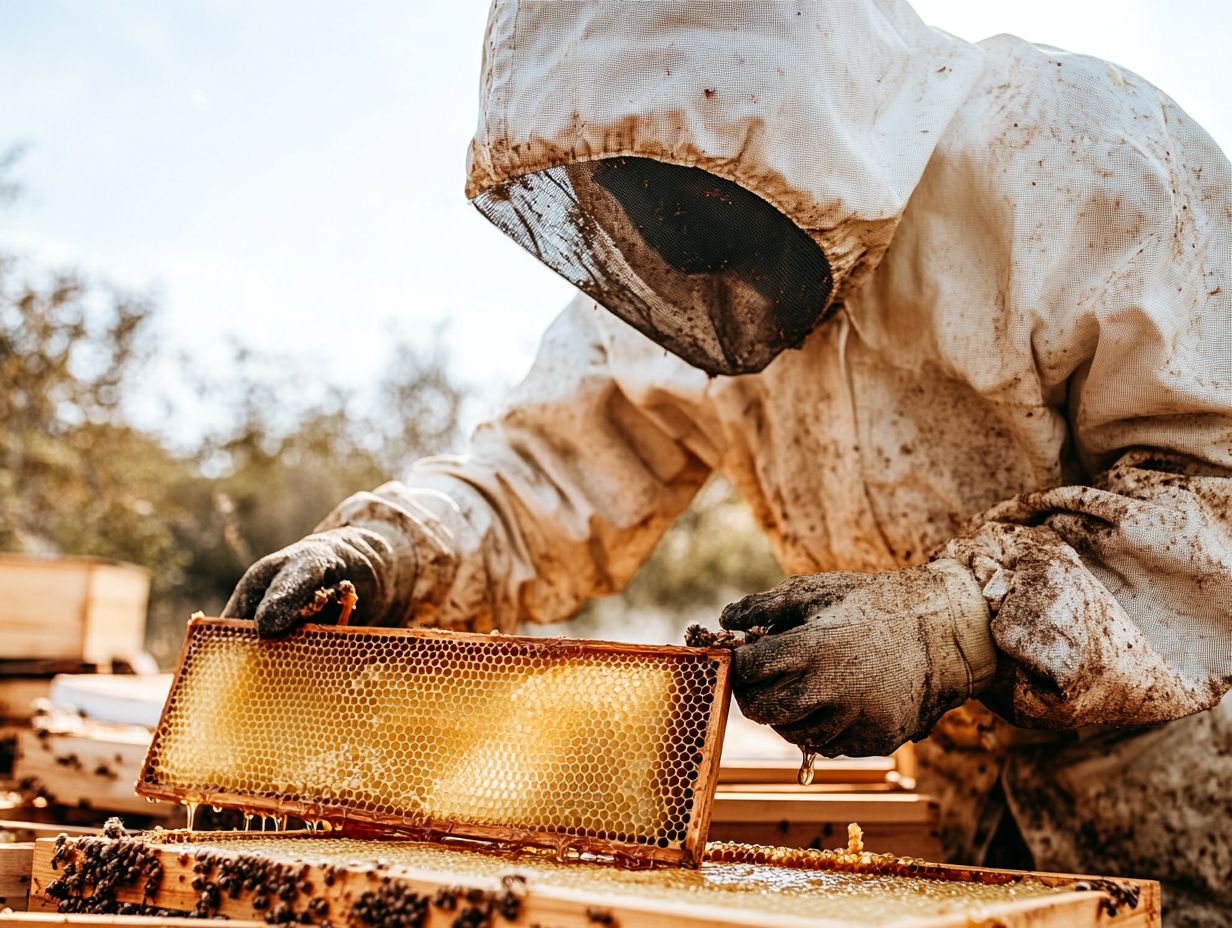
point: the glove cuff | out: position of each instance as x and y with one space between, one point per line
423 561
971 661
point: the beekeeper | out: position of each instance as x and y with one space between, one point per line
955 319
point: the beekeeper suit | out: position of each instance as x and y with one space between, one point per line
969 311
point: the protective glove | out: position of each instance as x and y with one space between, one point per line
856 663
278 587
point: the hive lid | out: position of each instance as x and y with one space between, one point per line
585 746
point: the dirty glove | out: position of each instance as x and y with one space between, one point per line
276 589
859 663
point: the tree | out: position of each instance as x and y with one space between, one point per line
78 477
66 355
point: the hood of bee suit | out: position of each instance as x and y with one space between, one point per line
714 172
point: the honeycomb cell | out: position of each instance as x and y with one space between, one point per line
544 741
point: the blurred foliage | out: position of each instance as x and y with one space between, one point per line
78 477
63 367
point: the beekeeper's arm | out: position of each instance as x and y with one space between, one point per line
1107 603
559 498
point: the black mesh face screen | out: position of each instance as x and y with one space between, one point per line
706 268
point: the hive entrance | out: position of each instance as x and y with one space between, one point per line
582 746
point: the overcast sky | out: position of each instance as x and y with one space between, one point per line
291 172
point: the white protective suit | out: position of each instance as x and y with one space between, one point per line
1026 367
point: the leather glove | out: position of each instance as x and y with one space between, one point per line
859 663
276 588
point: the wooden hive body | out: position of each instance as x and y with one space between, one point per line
318 879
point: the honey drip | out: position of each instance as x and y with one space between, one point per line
805 776
190 812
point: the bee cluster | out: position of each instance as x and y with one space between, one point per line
394 905
1119 894
103 866
274 888
698 636
92 871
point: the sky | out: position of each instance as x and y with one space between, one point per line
289 172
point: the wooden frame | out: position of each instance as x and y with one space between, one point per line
341 887
150 786
17 695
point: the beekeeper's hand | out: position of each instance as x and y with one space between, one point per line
859 663
276 590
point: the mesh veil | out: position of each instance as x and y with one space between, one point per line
706 268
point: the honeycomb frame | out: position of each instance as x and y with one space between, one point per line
636 784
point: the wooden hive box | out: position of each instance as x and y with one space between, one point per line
71 608
314 879
93 767
816 816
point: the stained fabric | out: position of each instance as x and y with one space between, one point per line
1027 367
1148 802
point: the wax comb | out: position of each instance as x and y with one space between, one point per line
586 747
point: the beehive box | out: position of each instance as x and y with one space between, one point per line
598 747
314 879
817 816
71 608
91 767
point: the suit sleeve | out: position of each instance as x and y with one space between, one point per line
560 497
1112 600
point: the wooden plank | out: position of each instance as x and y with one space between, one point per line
31 831
116 699
905 824
116 921
15 864
863 770
922 840
897 771
756 806
115 612
906 767
41 614
80 770
337 890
